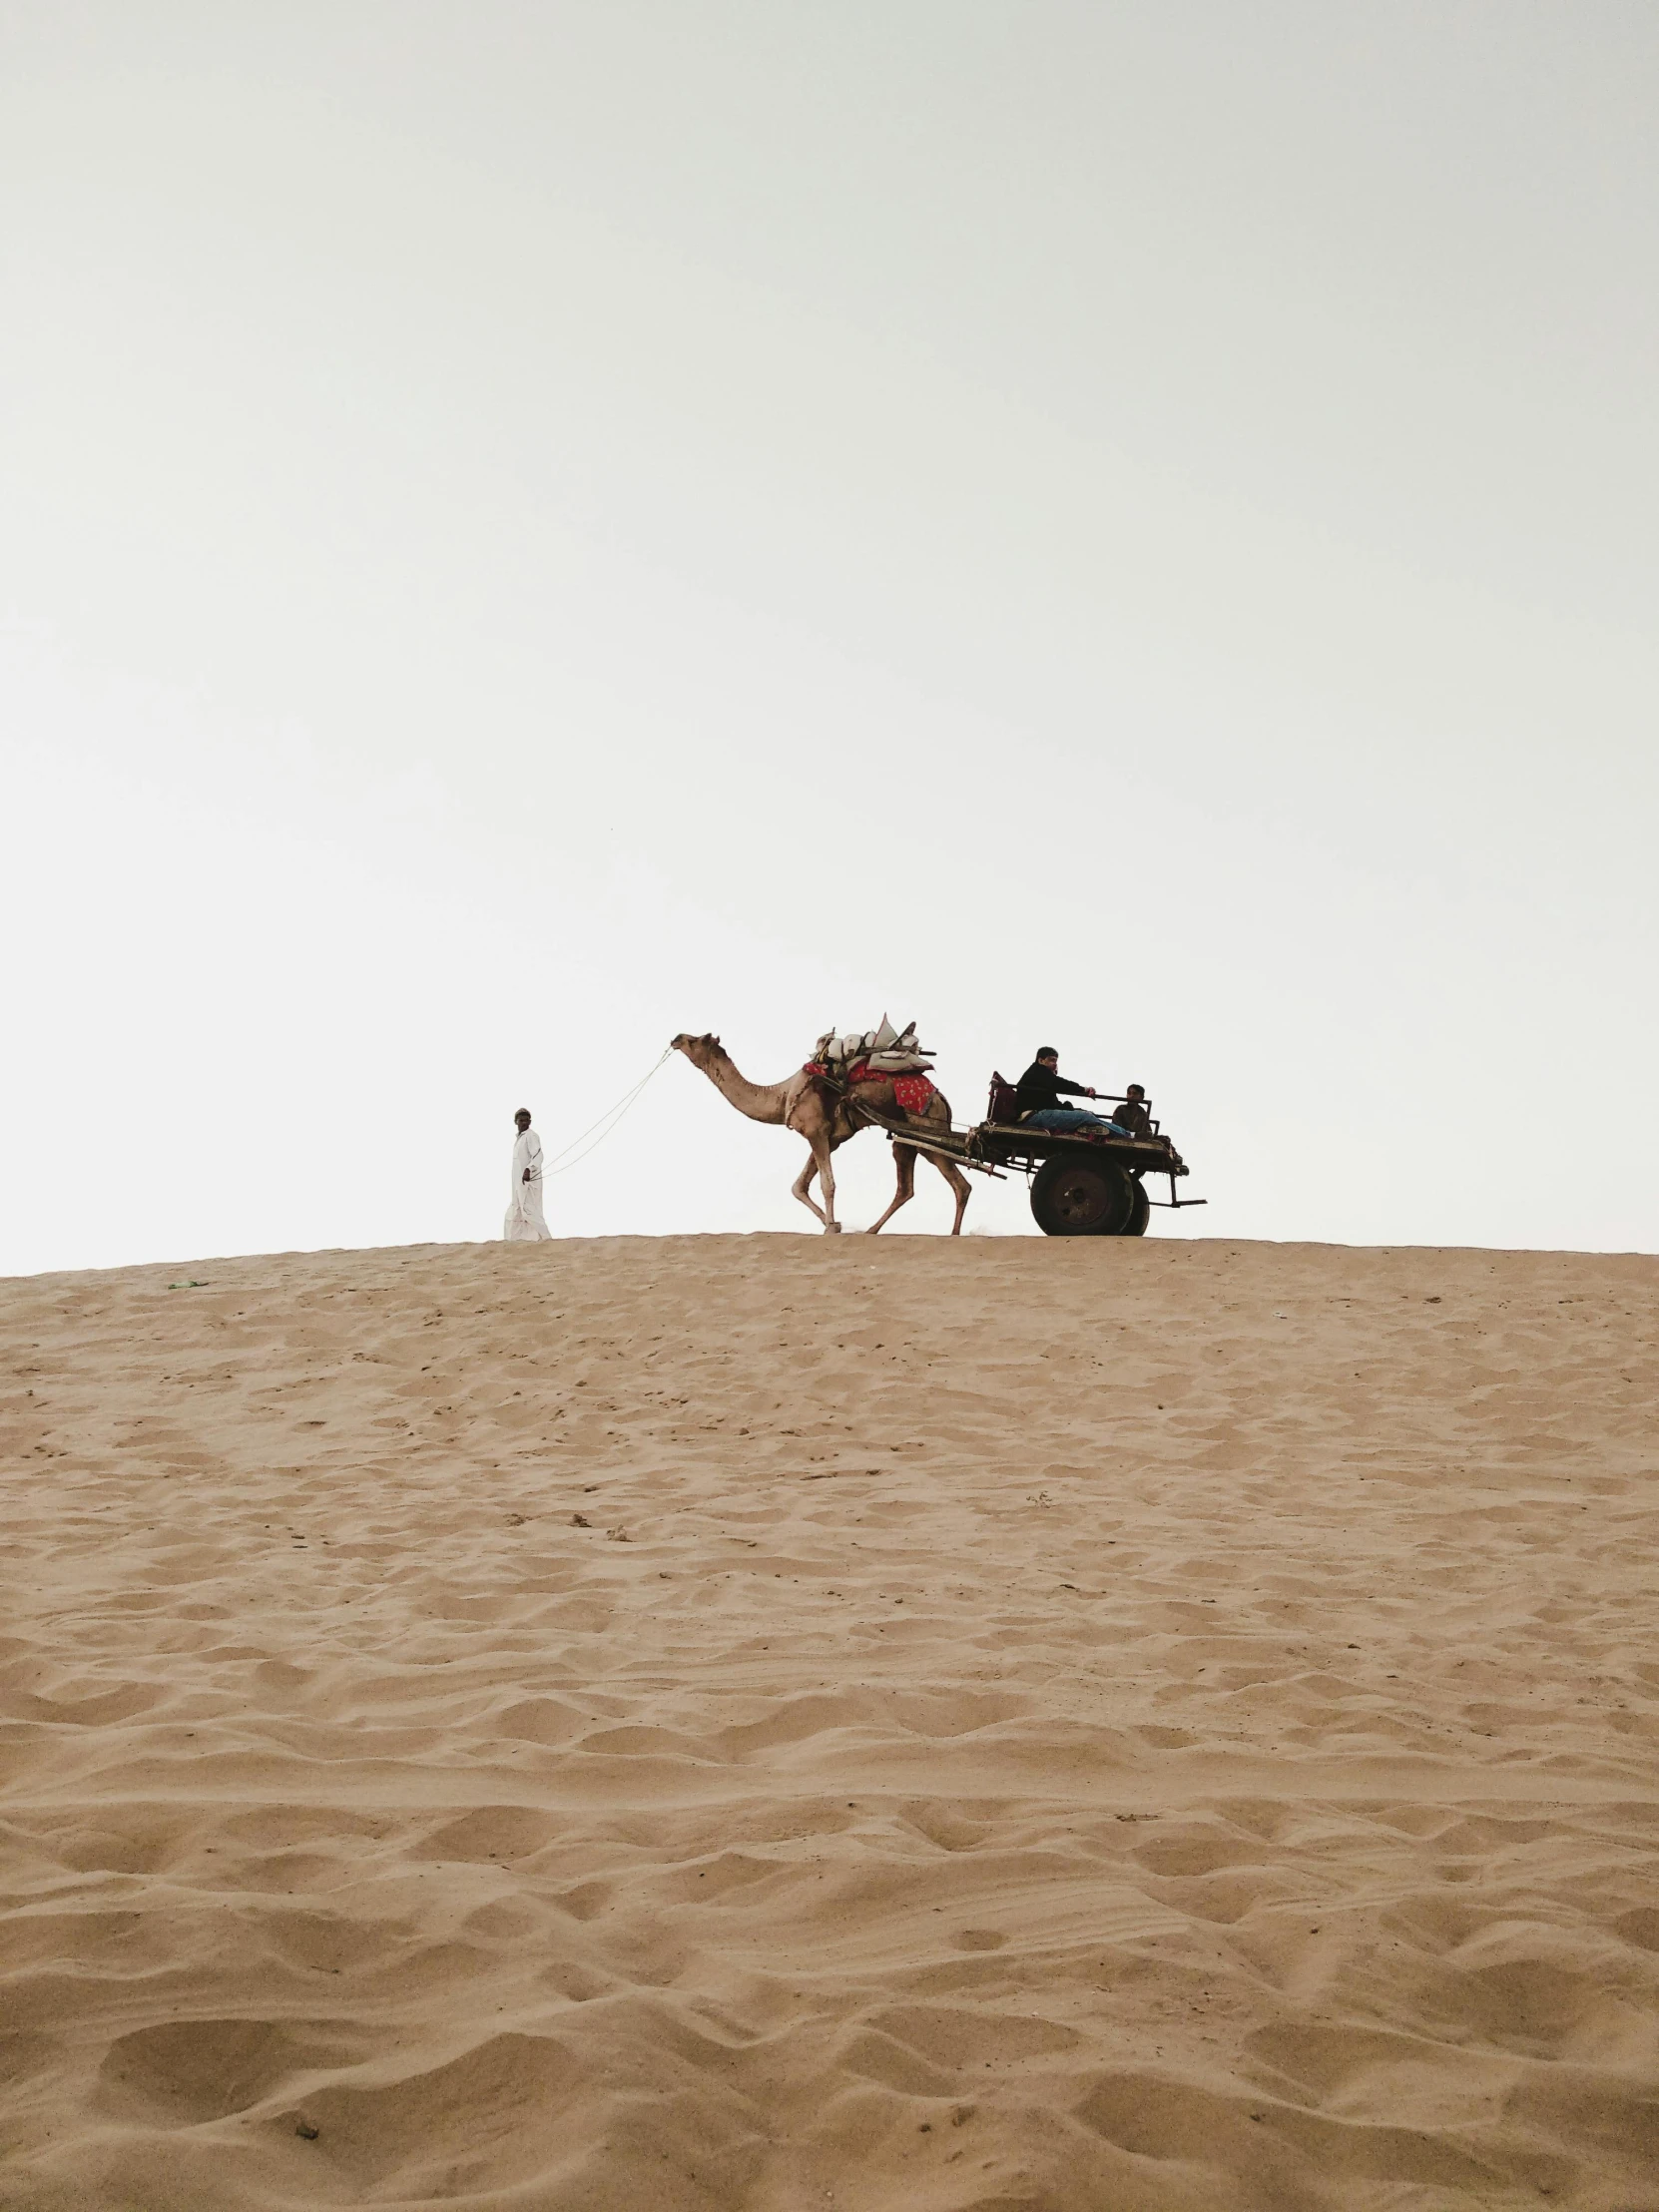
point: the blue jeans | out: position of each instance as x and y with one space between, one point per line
1068 1119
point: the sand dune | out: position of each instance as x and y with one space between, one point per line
784 1723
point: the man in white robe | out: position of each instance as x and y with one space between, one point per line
525 1222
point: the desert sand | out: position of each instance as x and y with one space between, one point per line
793 1722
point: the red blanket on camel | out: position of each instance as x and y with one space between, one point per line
913 1092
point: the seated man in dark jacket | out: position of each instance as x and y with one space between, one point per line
1039 1096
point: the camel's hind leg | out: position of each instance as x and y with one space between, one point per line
904 1160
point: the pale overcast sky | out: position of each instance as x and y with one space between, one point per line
528 528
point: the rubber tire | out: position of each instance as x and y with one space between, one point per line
1081 1196
1140 1209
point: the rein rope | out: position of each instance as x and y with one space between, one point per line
607 1123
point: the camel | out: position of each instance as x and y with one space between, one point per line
826 1116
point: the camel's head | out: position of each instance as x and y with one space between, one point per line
700 1051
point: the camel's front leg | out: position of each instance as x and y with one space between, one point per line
808 1119
801 1188
825 1183
959 1185
904 1160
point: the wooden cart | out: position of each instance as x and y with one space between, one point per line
1082 1185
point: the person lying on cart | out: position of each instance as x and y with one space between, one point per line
1039 1098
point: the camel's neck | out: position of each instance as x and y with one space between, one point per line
760 1101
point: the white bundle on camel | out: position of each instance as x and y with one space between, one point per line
884 1050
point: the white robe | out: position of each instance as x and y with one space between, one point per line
525 1223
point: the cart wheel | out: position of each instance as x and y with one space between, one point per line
1080 1198
1140 1209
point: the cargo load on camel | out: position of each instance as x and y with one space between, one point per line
862 1053
883 1055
